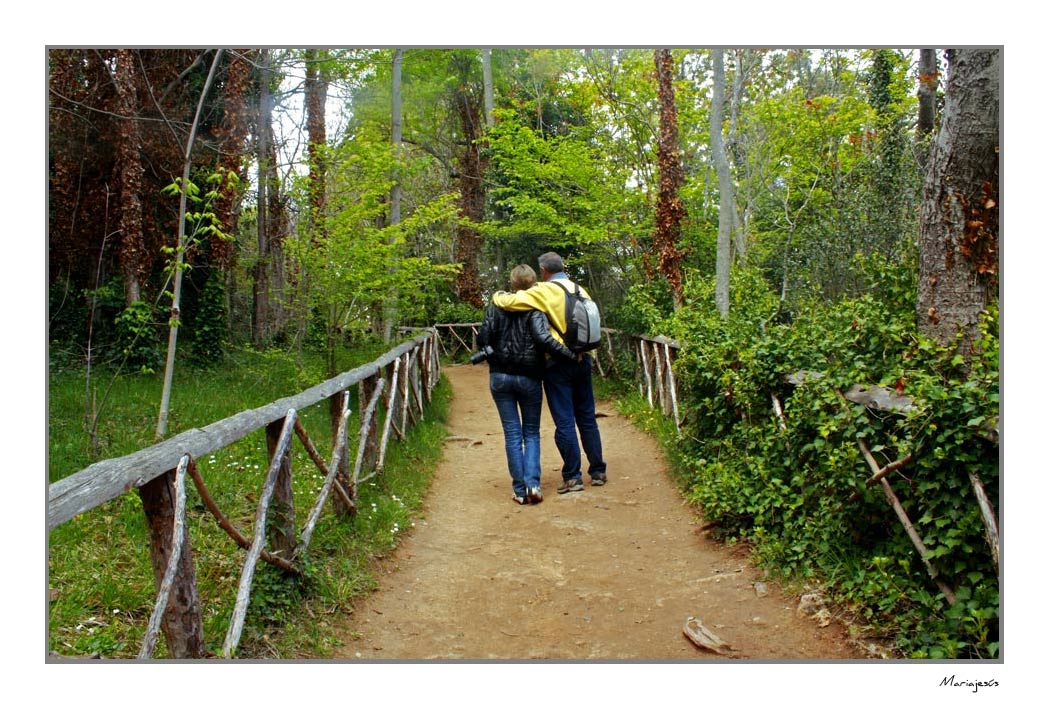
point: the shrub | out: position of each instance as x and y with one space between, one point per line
796 488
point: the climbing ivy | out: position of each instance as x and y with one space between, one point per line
795 487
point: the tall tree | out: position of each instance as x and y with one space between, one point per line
180 250
129 166
268 274
316 88
958 273
726 199
233 134
489 92
670 210
396 136
472 165
260 312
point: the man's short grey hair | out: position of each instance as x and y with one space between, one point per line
551 262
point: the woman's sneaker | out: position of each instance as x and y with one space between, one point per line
519 499
535 495
573 485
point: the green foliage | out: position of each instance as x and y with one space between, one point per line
456 312
644 310
138 336
796 488
350 264
548 187
208 329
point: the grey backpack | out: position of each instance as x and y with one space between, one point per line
584 320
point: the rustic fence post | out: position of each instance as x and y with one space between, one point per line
281 529
182 623
336 404
370 441
648 373
425 362
436 359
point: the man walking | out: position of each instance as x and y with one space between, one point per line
568 384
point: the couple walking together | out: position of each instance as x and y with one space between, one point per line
525 360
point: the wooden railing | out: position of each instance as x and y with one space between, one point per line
401 380
653 356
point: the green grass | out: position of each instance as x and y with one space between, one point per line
99 571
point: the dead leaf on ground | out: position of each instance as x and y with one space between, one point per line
703 637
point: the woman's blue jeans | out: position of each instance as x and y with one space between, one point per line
519 400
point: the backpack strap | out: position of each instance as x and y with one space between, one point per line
559 330
569 324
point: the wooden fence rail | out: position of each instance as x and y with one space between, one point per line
159 473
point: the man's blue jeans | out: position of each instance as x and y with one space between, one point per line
519 400
570 397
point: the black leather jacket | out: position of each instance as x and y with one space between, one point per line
519 341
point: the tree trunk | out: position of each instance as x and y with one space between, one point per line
928 81
129 169
472 166
277 225
182 622
489 94
233 132
180 248
726 194
390 306
670 210
959 221
260 285
735 151
316 97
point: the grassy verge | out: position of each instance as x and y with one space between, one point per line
99 576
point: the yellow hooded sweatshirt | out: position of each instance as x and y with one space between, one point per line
543 296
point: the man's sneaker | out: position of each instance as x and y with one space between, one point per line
598 480
519 499
573 485
535 495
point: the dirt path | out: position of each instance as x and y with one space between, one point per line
608 573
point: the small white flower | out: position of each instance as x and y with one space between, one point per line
116 611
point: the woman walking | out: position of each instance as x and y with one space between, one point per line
516 345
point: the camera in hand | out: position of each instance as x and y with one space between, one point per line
481 355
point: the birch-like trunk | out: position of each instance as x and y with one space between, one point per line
180 247
390 313
726 194
489 93
260 275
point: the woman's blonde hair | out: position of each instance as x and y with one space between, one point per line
522 277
